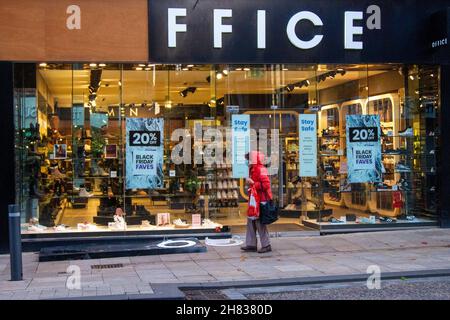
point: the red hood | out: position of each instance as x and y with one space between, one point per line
256 157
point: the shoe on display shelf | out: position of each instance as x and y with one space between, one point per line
395 152
207 223
61 228
36 228
400 167
433 189
410 218
86 226
84 193
387 220
432 151
408 132
55 173
178 223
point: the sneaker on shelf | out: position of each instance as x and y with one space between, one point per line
387 220
410 218
433 189
400 167
395 152
55 173
36 228
102 172
432 170
432 151
207 223
84 193
60 228
408 132
431 134
141 193
178 223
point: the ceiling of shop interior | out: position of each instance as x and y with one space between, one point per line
148 86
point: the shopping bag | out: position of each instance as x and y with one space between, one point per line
253 203
268 212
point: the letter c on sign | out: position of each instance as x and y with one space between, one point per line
290 30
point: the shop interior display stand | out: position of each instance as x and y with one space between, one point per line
34 242
311 214
106 250
349 227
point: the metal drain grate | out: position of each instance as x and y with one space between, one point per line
107 266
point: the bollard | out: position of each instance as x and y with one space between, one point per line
15 243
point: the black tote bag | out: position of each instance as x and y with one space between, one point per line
268 212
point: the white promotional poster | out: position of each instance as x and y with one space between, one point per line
240 144
144 153
364 149
308 145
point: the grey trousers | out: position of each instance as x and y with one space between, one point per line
250 237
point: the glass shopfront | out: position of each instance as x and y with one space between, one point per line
99 144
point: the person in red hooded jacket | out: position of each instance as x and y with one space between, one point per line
259 178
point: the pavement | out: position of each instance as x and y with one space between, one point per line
404 289
160 276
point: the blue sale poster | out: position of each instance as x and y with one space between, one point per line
364 149
144 153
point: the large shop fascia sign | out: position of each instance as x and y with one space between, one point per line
144 153
364 149
249 31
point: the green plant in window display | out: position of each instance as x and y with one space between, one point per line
193 185
98 144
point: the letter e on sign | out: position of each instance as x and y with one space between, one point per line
73 21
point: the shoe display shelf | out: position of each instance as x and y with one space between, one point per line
222 187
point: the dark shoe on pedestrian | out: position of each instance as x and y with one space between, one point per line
249 249
265 249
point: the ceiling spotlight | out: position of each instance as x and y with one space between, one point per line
238 69
102 65
219 75
185 69
307 83
411 77
190 65
246 69
138 69
225 72
42 64
141 65
93 65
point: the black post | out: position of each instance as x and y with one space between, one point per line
443 166
7 172
15 242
